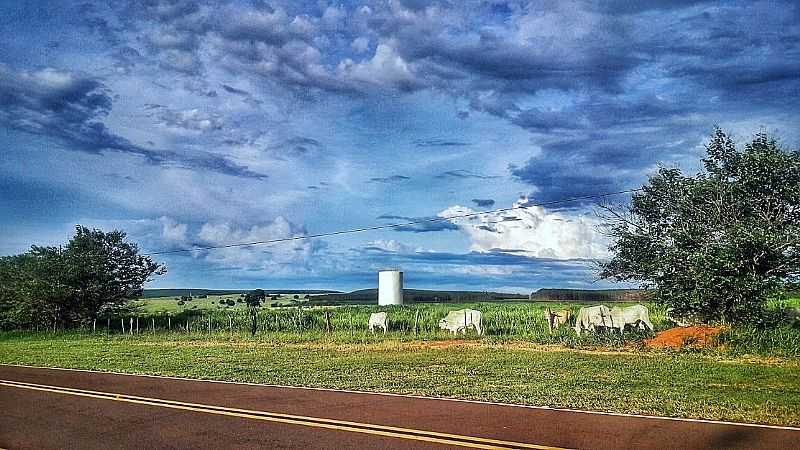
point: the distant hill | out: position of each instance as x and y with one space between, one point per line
370 296
153 293
588 295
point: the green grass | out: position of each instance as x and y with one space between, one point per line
512 321
764 390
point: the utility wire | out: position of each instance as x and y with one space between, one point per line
392 225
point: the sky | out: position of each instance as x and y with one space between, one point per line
190 124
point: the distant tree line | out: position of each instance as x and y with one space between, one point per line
589 295
93 275
370 296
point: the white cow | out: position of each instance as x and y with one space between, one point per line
556 318
378 320
590 317
636 315
460 320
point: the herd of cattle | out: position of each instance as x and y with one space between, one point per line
589 318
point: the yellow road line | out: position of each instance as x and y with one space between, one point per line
317 422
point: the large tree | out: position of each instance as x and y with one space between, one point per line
254 299
95 273
719 244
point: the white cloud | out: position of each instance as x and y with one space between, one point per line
533 231
386 68
283 257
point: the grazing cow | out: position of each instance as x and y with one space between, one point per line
460 320
378 320
556 318
636 315
590 317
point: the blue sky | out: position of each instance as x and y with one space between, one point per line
192 124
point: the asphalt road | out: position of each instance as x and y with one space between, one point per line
59 409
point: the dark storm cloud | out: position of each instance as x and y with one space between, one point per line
427 225
294 147
69 107
390 179
483 203
439 143
233 90
463 173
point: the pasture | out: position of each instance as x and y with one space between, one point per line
502 322
711 386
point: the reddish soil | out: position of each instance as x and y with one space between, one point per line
694 337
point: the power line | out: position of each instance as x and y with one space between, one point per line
392 225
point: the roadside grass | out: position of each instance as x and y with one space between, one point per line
682 384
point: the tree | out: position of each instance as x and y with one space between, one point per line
96 272
254 300
719 244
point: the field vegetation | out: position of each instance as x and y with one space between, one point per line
503 322
686 384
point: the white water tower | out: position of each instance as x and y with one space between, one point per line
390 287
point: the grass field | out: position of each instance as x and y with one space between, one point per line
506 321
751 389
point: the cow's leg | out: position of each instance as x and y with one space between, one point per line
648 324
384 329
372 328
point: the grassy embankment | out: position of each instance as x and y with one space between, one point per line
750 389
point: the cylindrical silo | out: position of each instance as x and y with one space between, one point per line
390 287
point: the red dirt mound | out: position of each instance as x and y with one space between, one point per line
694 337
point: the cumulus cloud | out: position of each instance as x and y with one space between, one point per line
283 257
532 231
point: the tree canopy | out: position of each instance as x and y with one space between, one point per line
94 273
719 244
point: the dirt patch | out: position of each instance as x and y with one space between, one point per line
692 337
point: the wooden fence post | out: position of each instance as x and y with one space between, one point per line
169 322
122 321
94 326
416 321
230 323
137 324
108 325
153 322
209 324
327 322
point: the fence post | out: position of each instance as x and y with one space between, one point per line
108 325
153 322
169 322
327 322
122 321
230 323
209 324
416 321
137 324
94 326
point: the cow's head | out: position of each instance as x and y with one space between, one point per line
443 324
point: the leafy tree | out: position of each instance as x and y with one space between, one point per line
96 272
719 244
254 299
